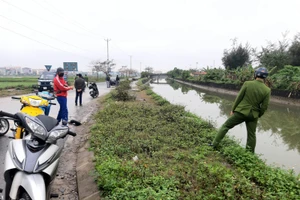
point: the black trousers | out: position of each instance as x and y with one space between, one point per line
78 94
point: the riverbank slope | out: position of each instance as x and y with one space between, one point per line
274 99
151 149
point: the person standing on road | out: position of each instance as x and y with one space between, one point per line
60 89
250 104
79 86
117 80
107 80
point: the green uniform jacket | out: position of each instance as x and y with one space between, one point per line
254 96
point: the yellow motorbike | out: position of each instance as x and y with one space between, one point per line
32 105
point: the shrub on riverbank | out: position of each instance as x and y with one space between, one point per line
145 151
122 93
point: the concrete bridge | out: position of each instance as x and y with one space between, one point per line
157 78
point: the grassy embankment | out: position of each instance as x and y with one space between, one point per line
159 151
16 86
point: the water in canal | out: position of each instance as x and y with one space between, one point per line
278 131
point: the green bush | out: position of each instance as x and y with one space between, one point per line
122 93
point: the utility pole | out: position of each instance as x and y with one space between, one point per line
140 67
130 64
107 62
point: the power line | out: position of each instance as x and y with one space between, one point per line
42 33
81 26
42 42
62 16
40 18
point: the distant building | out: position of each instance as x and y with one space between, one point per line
38 71
2 71
26 71
157 72
13 71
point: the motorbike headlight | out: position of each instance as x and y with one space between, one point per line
51 83
56 134
39 83
37 129
34 102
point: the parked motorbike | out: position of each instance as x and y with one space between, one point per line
32 105
93 90
31 164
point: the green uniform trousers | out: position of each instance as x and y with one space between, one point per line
234 120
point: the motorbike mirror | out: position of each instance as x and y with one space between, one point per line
74 122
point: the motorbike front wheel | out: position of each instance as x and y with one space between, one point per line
24 196
4 126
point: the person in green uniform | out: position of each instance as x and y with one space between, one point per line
250 104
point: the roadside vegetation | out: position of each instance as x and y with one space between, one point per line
22 82
159 151
24 85
16 86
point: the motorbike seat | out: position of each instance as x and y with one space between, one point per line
49 122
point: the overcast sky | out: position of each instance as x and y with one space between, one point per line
162 34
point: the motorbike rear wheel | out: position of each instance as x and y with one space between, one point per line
4 126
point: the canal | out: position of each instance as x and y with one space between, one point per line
278 131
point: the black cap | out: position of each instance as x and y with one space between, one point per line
59 70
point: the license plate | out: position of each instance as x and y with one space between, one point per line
45 88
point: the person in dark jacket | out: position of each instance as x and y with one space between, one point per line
250 104
107 80
60 88
117 80
79 86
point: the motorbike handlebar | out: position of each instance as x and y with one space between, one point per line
72 133
49 98
16 98
52 103
6 114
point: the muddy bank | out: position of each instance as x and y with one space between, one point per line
12 92
274 99
65 183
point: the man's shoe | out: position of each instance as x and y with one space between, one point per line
75 104
211 145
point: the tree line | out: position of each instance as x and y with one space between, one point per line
274 54
282 59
